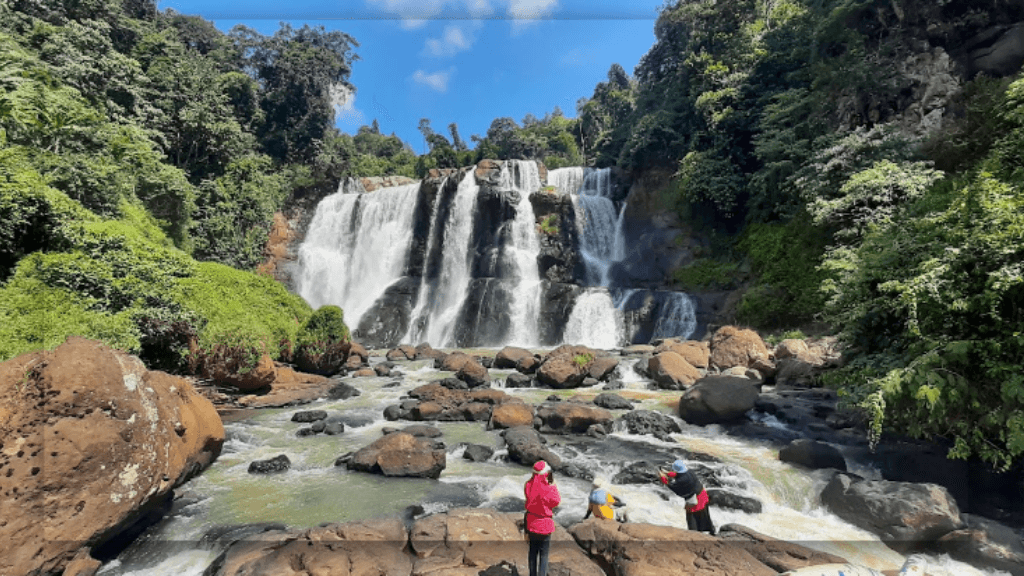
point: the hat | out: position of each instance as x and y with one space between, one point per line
679 466
541 467
599 483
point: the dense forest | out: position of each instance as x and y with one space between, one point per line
143 154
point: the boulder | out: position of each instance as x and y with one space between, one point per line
728 499
778 555
572 418
383 369
452 362
906 516
307 416
717 399
799 372
417 430
636 549
671 372
226 370
732 346
648 422
326 361
986 543
359 351
637 473
695 353
400 454
426 352
516 380
509 357
562 372
791 348
363 547
526 447
813 454
611 401
473 373
118 439
638 350
478 453
402 352
510 415
528 365
469 541
342 391
290 388
602 367
279 463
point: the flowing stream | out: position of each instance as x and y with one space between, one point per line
314 491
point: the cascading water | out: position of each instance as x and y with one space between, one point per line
595 321
356 246
599 226
522 250
314 491
566 180
441 298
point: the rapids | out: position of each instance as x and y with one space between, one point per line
314 491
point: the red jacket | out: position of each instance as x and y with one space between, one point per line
541 499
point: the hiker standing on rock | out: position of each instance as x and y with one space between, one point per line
688 487
604 504
541 498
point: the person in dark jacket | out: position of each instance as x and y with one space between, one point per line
686 484
541 499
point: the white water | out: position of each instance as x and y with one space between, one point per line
566 180
600 227
595 321
523 250
439 305
356 246
677 318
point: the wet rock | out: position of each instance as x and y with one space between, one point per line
589 382
318 427
306 416
224 535
334 428
399 454
304 432
554 398
612 402
509 357
516 380
726 499
638 350
528 365
526 447
473 373
425 351
452 362
696 354
402 352
510 415
904 515
717 399
648 422
279 463
352 420
392 413
478 453
343 391
572 418
602 367
382 370
454 384
732 346
614 384
813 454
987 543
417 430
778 555
637 473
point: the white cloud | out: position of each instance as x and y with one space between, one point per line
527 12
437 81
344 100
415 13
454 40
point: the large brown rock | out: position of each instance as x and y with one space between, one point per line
466 541
717 399
510 415
572 418
226 370
634 549
671 372
776 554
400 454
562 372
526 446
473 373
601 368
732 346
290 388
452 362
905 515
697 354
353 548
790 348
88 438
509 357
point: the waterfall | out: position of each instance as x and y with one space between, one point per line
439 304
356 247
600 227
566 180
522 251
676 318
595 321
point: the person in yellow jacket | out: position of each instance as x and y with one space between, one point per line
603 504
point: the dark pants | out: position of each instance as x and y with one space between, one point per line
540 544
700 521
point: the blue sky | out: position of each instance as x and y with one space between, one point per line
463 61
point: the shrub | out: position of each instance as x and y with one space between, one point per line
549 225
708 274
323 341
582 360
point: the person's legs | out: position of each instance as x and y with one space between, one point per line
534 551
545 547
691 521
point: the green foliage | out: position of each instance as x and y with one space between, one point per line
785 258
549 225
705 177
326 326
775 338
708 274
581 360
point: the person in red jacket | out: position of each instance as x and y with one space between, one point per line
688 487
541 498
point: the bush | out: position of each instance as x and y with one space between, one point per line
549 225
323 342
708 274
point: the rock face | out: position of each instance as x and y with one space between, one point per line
118 439
400 454
716 399
904 515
